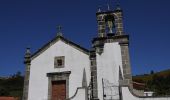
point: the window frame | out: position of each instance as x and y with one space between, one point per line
57 63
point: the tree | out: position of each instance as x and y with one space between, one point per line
3 92
152 72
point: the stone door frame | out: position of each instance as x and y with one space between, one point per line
58 76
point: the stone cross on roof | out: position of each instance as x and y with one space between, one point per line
59 33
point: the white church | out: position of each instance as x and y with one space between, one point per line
63 70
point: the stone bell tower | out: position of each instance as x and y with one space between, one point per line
109 22
110 31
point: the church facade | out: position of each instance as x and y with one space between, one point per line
63 70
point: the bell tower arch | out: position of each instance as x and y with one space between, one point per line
110 22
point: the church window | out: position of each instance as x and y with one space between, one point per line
59 62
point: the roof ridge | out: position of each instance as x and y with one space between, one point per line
54 40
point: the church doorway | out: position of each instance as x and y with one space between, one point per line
58 90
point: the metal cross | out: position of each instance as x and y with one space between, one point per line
59 31
59 28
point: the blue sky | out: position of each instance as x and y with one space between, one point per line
33 23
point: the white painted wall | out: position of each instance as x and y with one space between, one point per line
75 61
126 94
80 94
108 66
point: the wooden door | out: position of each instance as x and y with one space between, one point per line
58 90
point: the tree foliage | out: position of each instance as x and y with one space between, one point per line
12 86
156 82
160 85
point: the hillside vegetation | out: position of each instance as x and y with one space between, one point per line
157 82
12 86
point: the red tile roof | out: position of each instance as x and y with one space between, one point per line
138 86
8 98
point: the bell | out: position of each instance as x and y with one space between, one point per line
110 26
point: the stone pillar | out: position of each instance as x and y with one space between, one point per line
94 85
101 25
27 62
119 22
126 65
